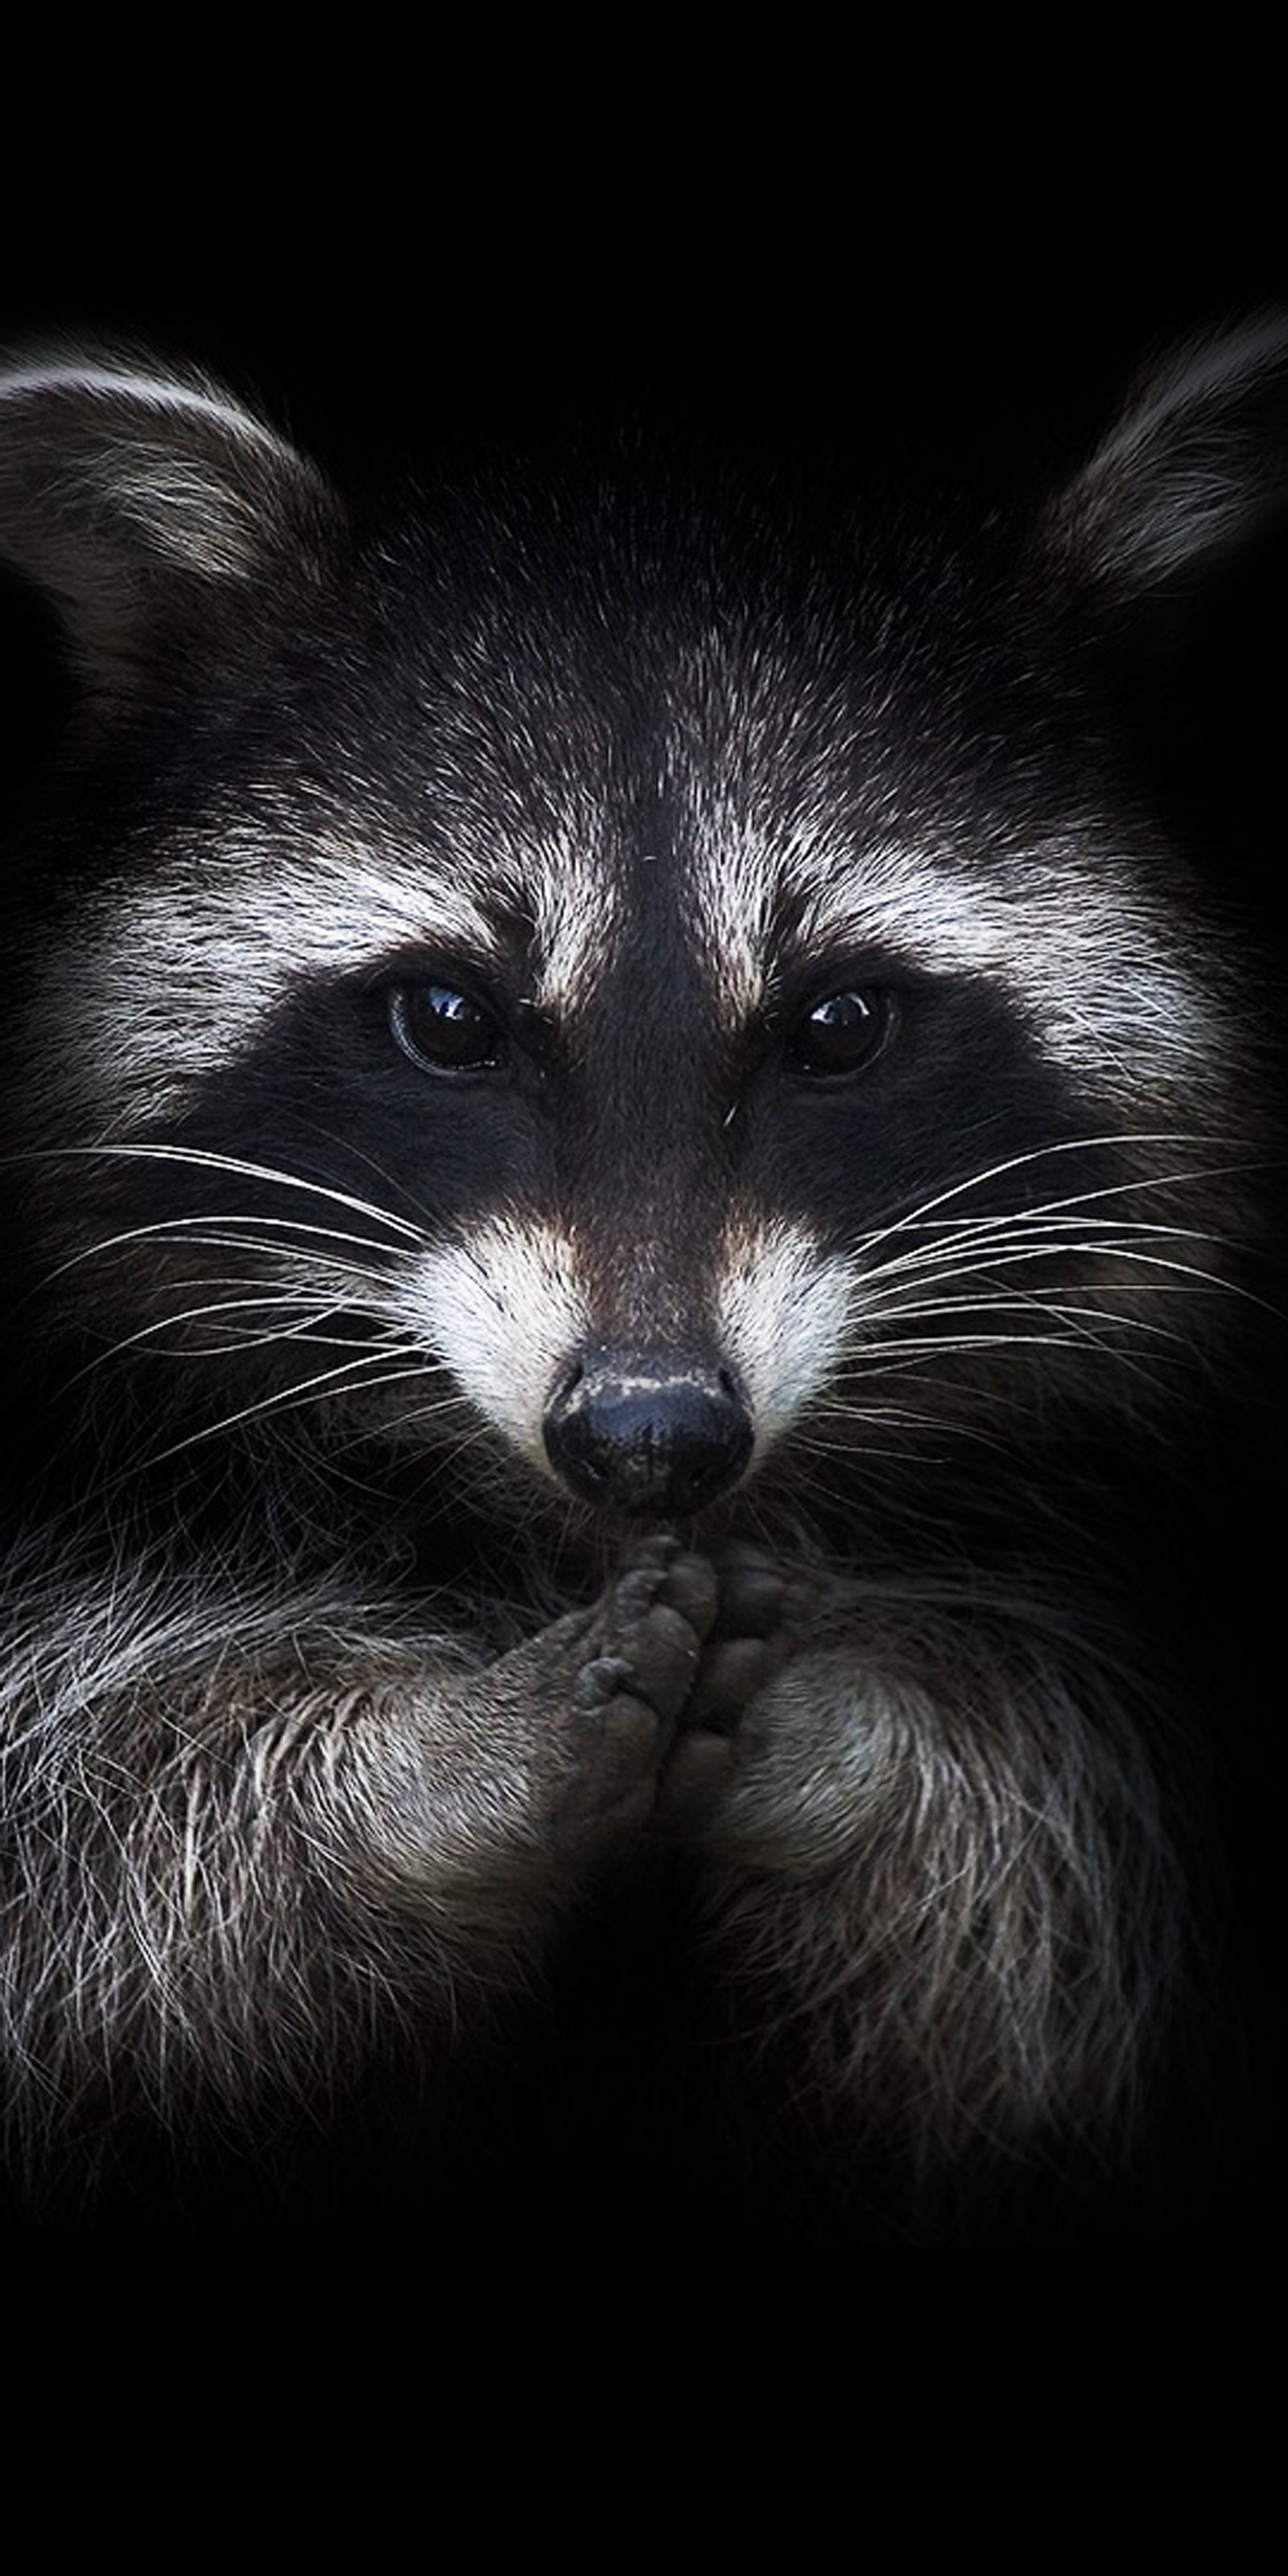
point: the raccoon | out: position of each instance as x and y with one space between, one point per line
639 1198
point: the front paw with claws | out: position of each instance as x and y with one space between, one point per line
762 1610
640 1656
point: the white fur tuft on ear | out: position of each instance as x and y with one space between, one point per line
1195 465
127 492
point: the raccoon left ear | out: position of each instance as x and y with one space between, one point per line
1193 472
153 510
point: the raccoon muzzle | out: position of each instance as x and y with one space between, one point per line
634 1435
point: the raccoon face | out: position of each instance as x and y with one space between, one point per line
632 1015
639 1219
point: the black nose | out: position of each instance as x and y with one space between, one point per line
648 1439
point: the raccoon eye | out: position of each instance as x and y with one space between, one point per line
443 1029
840 1033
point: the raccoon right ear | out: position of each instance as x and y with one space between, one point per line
1190 475
151 509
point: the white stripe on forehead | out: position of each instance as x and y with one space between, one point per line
187 971
579 908
1089 961
190 968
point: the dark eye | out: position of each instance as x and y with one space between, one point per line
840 1033
443 1029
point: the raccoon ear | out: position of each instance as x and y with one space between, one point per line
150 509
1194 470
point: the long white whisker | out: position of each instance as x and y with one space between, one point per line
1163 1271
918 1218
305 1331
1044 1301
360 1153
354 1372
197 1232
962 1235
201 1158
959 1341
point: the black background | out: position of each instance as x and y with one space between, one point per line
951 324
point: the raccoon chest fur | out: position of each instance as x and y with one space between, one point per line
638 1190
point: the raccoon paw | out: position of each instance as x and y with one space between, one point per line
761 1610
640 1655
653 1620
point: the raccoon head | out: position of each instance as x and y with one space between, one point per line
622 965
